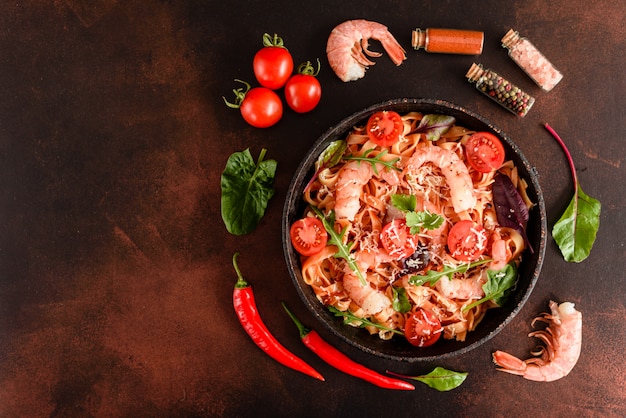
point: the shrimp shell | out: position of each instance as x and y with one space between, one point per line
563 339
347 48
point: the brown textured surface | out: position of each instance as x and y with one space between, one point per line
115 274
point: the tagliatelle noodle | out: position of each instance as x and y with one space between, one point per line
446 299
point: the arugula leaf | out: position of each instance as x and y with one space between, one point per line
440 378
498 285
576 230
433 276
351 319
247 188
400 300
434 126
375 160
336 239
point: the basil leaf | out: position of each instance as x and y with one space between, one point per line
443 379
247 188
498 285
400 300
434 126
575 232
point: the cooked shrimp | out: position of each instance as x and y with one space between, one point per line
350 181
371 300
563 339
347 48
468 288
453 169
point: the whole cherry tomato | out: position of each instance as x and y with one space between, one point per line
273 63
302 91
260 106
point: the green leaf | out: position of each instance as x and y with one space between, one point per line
331 155
440 378
433 276
351 319
434 126
498 285
424 219
375 160
404 202
336 239
575 232
246 190
400 300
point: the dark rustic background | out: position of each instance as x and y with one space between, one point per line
115 266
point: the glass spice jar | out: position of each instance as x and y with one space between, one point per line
500 90
531 60
448 41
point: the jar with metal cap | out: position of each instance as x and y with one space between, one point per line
531 60
448 41
500 90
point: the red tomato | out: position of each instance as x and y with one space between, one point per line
467 240
422 328
261 107
484 152
308 236
397 239
384 128
273 63
303 93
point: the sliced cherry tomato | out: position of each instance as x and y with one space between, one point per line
397 239
260 106
384 128
484 152
467 240
303 92
422 328
308 236
273 63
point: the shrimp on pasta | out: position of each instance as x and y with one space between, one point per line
418 223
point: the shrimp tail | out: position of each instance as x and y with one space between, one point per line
509 363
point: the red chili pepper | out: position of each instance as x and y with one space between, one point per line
340 361
245 307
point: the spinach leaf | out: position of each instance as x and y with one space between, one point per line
440 378
434 126
575 232
498 286
247 188
400 300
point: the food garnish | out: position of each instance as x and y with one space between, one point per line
575 232
439 378
247 188
249 317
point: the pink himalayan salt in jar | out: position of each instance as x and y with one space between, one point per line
531 60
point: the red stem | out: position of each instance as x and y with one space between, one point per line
567 154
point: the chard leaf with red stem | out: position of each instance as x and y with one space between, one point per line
576 230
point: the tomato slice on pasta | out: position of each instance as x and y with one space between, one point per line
484 152
384 128
422 328
467 240
308 236
397 240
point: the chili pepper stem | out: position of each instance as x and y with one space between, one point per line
241 282
301 328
